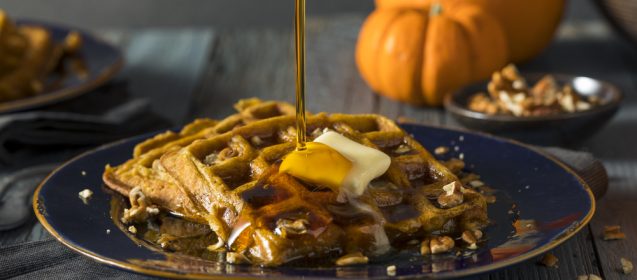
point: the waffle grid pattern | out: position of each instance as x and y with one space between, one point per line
225 174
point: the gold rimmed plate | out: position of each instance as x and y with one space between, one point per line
100 59
551 204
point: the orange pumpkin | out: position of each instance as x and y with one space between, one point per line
529 24
417 55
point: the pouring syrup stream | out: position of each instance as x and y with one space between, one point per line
299 28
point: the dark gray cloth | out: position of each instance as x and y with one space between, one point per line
50 259
104 115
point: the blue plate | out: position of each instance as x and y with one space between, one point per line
102 61
549 202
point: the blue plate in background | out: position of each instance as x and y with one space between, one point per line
547 202
102 61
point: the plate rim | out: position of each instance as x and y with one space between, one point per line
560 239
65 93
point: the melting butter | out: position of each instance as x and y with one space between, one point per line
319 164
367 163
346 167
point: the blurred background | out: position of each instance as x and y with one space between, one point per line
168 13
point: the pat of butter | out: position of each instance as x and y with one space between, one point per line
318 164
367 163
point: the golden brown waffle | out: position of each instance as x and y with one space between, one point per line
229 180
27 55
144 170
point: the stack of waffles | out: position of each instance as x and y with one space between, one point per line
225 174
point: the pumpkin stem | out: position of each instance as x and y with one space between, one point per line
436 9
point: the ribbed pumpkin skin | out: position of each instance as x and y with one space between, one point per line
529 24
417 56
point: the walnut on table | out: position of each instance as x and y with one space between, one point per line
549 260
613 233
627 266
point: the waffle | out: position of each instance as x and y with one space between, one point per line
27 56
145 172
228 178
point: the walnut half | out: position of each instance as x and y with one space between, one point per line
452 195
441 244
285 227
627 266
613 233
352 259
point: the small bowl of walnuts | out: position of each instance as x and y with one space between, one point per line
549 109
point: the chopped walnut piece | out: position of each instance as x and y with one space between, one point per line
285 227
402 149
589 277
165 240
140 209
236 258
210 159
613 233
627 266
511 73
477 233
441 244
219 246
391 270
476 183
524 227
425 248
352 259
549 260
490 198
469 237
132 229
441 150
452 195
482 103
85 195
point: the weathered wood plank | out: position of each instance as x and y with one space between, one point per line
576 257
166 66
618 207
241 67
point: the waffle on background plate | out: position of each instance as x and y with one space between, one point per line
28 55
225 174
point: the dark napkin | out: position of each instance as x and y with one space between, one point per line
105 115
50 259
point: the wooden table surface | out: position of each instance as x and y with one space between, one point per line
192 73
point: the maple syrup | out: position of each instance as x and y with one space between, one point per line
299 35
